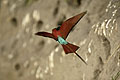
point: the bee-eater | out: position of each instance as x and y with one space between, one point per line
60 34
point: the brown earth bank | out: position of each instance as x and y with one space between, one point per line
24 56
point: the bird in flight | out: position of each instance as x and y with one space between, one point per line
60 34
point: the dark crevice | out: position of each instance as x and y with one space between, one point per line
96 74
2 49
74 3
106 45
56 8
56 11
41 43
101 61
17 66
29 2
14 21
39 24
61 20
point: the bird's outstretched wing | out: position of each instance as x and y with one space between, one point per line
45 34
67 26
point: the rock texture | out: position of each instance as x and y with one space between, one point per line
24 56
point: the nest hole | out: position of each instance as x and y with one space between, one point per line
14 21
39 24
17 66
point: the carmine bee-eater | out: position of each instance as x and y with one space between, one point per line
60 34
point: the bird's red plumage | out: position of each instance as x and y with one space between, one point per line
56 33
67 26
63 32
70 48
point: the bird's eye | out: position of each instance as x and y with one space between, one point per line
58 28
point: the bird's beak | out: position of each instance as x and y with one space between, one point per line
37 33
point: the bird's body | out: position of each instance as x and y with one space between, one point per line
62 41
56 33
60 34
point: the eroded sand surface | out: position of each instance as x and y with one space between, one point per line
24 56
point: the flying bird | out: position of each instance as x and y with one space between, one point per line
60 34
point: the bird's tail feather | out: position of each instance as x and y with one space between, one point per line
70 48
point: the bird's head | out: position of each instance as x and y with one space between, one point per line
56 32
58 28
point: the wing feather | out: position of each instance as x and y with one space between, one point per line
67 26
45 34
